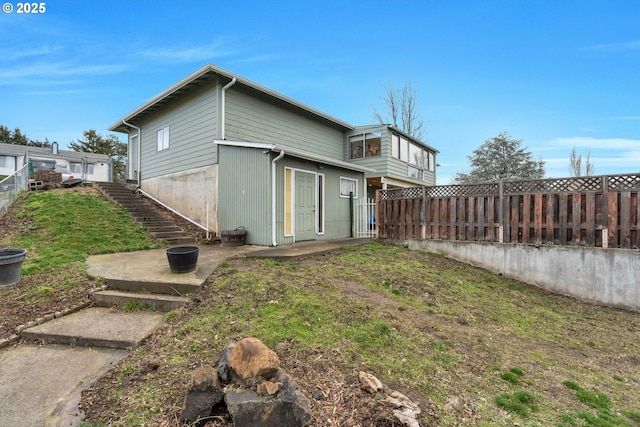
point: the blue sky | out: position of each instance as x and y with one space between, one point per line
556 74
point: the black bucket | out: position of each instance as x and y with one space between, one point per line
183 259
11 265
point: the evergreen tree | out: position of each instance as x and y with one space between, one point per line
501 158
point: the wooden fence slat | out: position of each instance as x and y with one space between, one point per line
625 219
550 218
563 206
514 221
637 220
537 218
576 214
470 224
481 220
452 218
590 219
462 216
526 217
612 214
491 230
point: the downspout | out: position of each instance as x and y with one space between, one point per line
223 106
273 198
139 150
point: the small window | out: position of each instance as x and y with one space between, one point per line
8 162
415 155
373 142
163 139
395 146
404 150
348 185
356 145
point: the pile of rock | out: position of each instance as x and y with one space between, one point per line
248 382
405 411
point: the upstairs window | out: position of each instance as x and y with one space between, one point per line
163 139
419 159
365 145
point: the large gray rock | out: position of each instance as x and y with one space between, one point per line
287 407
203 394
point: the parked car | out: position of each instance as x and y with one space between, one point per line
66 174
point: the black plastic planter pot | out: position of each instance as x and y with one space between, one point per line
11 265
183 259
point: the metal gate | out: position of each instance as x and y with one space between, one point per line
365 218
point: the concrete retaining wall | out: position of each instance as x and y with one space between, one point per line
609 277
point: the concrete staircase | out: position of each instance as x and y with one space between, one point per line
146 213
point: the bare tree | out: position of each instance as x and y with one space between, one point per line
575 164
401 109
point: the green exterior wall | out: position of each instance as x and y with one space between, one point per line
192 121
250 118
244 176
244 179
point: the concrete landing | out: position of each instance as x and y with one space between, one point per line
149 270
98 327
42 385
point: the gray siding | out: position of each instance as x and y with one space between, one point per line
192 122
244 177
252 119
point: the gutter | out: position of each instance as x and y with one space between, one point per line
124 122
273 198
223 106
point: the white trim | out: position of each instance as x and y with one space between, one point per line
355 196
323 195
293 202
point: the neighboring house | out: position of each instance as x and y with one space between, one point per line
87 166
226 152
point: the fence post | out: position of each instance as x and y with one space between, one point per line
423 214
500 212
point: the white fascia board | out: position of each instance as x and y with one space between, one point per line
296 153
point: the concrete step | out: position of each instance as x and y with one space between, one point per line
143 286
164 234
98 327
114 298
160 228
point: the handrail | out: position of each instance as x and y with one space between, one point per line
149 196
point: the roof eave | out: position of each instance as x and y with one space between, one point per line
119 126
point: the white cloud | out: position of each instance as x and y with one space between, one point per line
615 47
595 143
36 73
216 49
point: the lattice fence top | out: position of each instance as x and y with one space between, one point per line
554 185
624 182
402 193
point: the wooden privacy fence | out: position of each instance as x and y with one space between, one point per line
600 211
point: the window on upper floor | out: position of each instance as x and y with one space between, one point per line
367 144
419 159
163 139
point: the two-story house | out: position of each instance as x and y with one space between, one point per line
227 152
